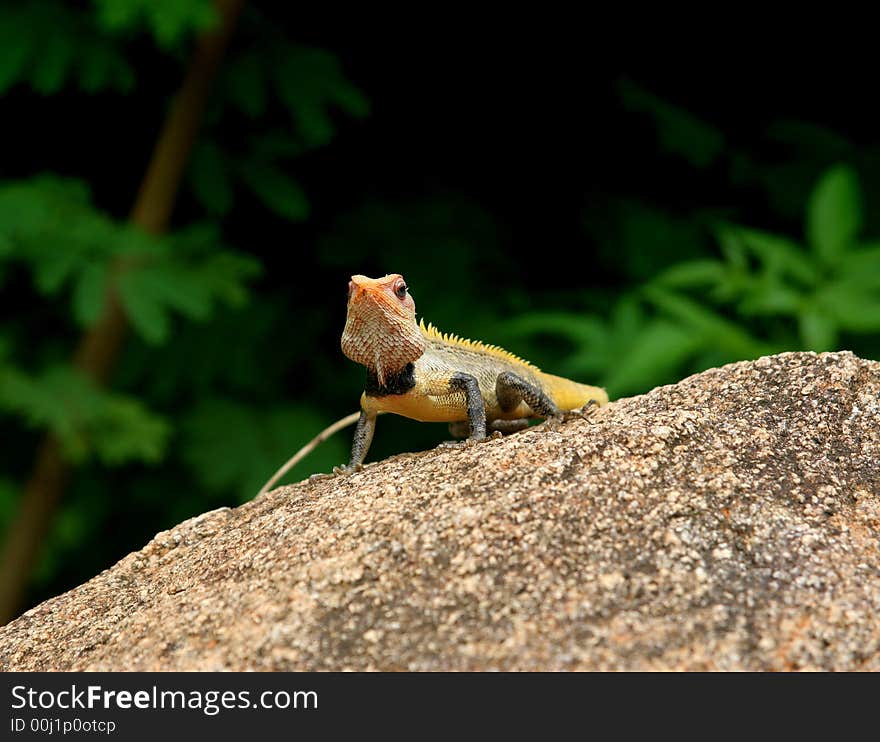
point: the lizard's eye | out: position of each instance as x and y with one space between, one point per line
400 290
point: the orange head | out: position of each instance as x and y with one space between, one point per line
380 328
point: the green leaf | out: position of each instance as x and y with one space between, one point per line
655 354
169 20
779 254
308 82
808 138
276 190
834 214
850 304
16 46
186 274
49 224
579 329
210 178
679 131
692 274
87 420
862 265
51 274
52 63
275 145
101 66
124 431
50 43
649 239
817 330
147 315
246 85
768 296
350 99
90 294
711 326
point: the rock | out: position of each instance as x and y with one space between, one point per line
728 522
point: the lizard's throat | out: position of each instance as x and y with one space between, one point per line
383 349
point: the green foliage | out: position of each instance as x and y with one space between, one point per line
766 293
834 218
309 86
48 44
626 226
183 275
679 131
170 419
210 178
308 82
50 225
827 289
87 420
276 190
168 20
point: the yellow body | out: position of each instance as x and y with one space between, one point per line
446 355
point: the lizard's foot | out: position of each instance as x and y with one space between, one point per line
495 428
466 443
588 408
340 471
554 421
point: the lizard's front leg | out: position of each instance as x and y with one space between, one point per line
476 407
360 445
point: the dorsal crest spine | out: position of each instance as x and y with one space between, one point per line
432 333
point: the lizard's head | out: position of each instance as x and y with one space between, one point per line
380 328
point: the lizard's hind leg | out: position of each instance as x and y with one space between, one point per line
511 389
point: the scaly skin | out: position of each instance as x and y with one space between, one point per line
416 371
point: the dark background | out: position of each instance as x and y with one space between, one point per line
622 208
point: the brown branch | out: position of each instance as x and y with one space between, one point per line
99 348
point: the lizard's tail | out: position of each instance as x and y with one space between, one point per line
570 395
309 447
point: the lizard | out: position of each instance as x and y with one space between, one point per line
419 372
416 371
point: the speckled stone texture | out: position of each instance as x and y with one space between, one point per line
729 522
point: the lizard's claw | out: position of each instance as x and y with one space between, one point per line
466 443
588 408
554 421
340 471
